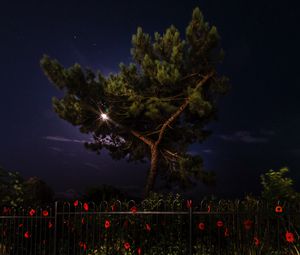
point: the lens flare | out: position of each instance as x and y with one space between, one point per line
104 116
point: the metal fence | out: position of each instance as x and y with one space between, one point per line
163 227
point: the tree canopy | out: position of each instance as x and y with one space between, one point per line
16 191
102 193
11 188
277 186
37 192
154 108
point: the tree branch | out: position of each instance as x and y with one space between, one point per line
143 138
152 133
169 121
173 154
180 109
189 76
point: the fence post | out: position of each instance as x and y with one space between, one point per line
55 228
190 229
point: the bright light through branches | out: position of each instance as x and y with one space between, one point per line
104 116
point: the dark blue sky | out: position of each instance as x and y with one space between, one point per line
259 119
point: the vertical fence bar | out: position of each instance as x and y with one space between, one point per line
190 229
55 228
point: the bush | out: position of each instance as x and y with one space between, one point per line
276 186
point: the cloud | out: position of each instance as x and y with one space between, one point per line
197 152
56 149
193 152
108 140
267 132
245 137
208 151
63 139
92 166
295 152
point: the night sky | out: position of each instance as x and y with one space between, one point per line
259 120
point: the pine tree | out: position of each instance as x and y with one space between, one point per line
153 108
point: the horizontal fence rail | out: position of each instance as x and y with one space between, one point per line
161 227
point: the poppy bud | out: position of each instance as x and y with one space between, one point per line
107 224
189 203
226 233
139 251
248 224
27 235
256 241
148 227
76 203
86 206
133 209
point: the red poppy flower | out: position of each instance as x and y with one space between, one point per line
208 208
6 210
226 232
248 224
86 206
148 227
278 209
289 237
126 246
220 224
139 251
133 209
32 212
50 225
20 225
82 221
201 226
27 235
82 245
113 208
256 241
189 203
76 203
107 224
45 213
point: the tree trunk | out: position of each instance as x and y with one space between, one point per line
153 170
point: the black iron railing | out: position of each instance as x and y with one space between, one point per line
163 227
